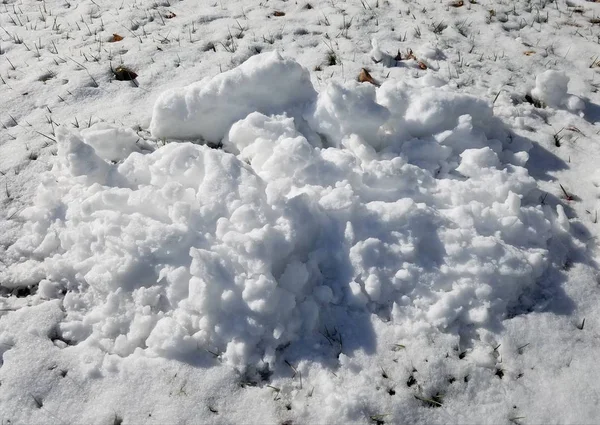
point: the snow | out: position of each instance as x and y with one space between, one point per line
229 255
111 143
248 234
264 83
551 88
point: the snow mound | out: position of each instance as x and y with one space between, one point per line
416 213
266 83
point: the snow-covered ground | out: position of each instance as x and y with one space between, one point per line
359 211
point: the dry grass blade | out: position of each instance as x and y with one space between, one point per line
567 196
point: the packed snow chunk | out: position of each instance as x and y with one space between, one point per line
396 97
475 161
239 353
169 339
343 110
111 143
575 104
265 83
378 56
257 134
429 51
357 297
432 79
464 136
562 220
431 126
551 88
81 159
436 110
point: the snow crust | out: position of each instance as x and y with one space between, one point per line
408 202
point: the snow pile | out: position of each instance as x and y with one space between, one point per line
418 212
551 88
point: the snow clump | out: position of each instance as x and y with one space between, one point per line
551 88
265 83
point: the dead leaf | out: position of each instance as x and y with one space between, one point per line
278 13
365 77
421 65
170 15
410 55
115 38
529 52
458 3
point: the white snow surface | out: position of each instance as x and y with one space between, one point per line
248 234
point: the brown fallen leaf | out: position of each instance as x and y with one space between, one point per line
278 13
170 15
529 52
458 3
421 65
115 38
365 77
